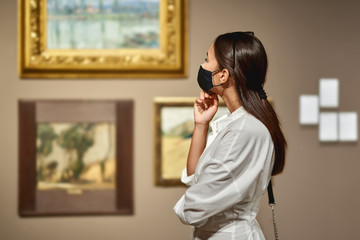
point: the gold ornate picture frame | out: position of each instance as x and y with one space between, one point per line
167 59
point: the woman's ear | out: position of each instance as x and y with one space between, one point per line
224 76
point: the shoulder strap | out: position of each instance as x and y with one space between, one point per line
272 205
270 194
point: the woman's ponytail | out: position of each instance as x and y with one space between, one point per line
246 60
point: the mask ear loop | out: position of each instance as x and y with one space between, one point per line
212 78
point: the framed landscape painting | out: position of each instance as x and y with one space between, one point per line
174 125
75 157
102 38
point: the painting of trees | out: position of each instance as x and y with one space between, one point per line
77 139
75 155
46 135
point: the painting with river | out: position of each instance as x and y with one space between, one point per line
103 24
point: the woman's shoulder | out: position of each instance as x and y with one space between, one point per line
249 125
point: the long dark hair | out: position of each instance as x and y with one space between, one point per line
244 56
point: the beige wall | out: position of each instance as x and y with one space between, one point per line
318 195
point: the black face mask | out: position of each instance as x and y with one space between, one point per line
205 79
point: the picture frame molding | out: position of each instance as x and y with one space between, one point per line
169 61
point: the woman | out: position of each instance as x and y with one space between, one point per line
228 171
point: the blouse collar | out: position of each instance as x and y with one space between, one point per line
220 123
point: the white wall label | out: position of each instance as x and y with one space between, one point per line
348 123
329 92
309 109
333 126
328 124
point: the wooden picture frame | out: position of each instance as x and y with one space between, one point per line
171 148
53 202
166 58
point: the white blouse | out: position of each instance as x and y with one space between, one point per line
233 172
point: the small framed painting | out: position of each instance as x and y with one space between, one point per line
75 157
174 125
102 38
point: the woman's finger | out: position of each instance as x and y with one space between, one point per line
206 95
215 97
202 95
199 101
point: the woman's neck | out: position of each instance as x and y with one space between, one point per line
231 99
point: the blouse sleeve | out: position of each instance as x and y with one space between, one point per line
188 180
232 175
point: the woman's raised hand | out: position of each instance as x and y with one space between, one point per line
205 108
